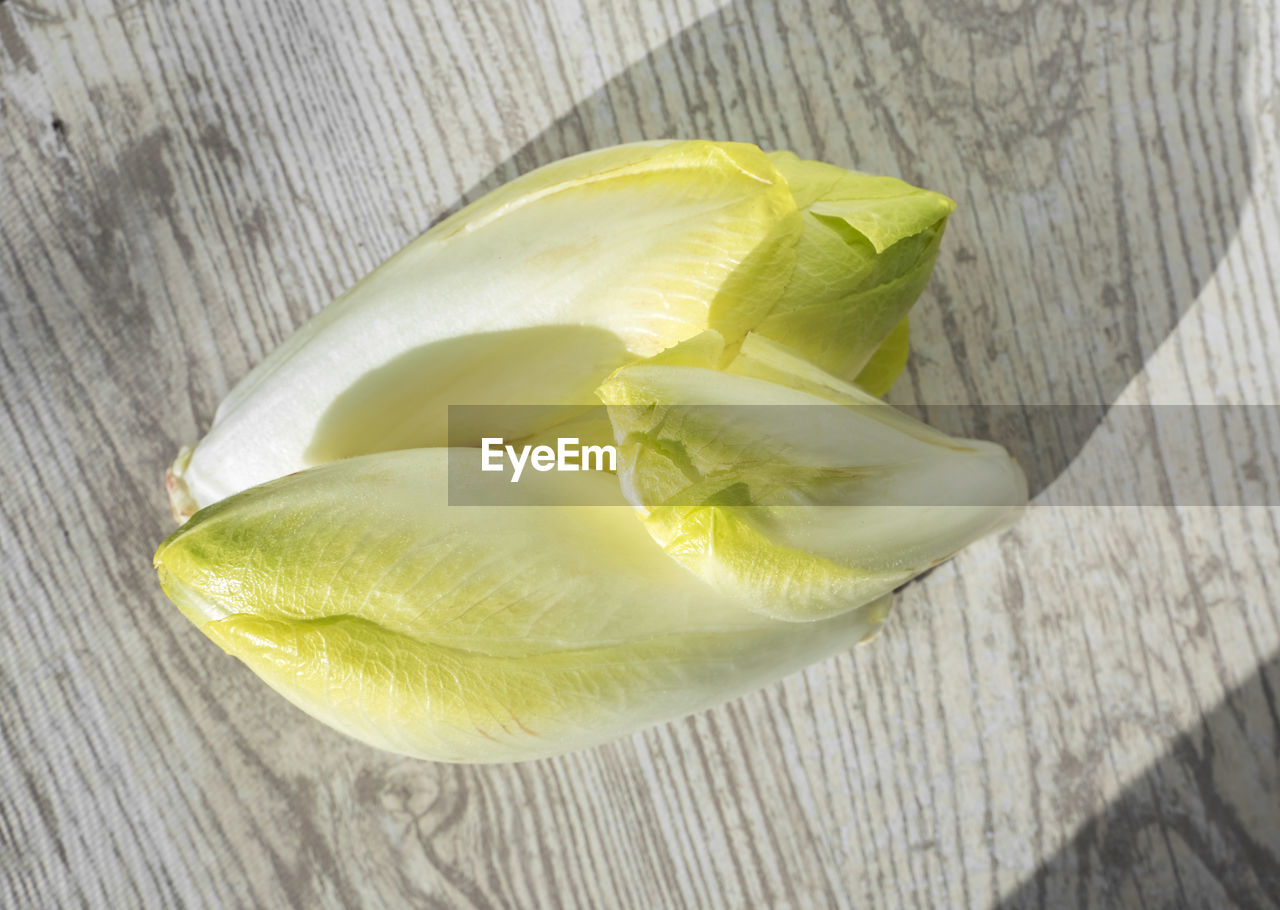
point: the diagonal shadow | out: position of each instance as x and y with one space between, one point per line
1111 161
1200 828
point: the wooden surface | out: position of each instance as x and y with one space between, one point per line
1082 712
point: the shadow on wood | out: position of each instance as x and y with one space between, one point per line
1201 828
1068 261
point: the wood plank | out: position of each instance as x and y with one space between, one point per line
1081 711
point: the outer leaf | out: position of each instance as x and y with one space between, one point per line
478 633
793 491
530 296
536 292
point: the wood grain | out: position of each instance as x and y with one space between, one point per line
1079 713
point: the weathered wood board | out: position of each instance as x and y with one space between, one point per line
1082 712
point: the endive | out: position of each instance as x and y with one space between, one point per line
481 633
793 492
660 279
535 293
